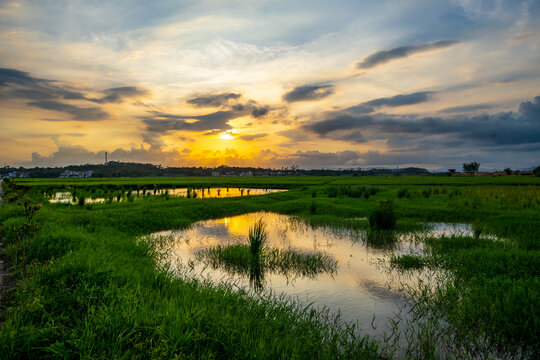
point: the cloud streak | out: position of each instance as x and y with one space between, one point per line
384 56
77 113
308 93
52 95
213 100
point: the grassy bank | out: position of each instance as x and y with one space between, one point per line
86 285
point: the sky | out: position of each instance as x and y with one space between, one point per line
316 84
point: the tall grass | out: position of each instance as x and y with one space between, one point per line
257 238
383 216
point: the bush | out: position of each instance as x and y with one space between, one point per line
383 217
313 207
403 193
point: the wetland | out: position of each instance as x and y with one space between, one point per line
339 267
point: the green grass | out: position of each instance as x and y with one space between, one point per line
239 259
257 238
87 287
407 261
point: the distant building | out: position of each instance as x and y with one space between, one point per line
16 174
76 174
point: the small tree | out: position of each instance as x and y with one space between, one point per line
536 171
471 167
508 171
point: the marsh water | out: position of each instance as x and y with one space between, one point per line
362 288
67 197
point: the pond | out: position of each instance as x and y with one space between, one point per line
67 197
338 270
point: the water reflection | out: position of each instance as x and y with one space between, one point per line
67 197
356 286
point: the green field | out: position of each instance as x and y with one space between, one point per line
87 286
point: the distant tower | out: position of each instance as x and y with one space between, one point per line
105 158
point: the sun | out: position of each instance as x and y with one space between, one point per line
226 135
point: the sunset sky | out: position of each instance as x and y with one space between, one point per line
333 84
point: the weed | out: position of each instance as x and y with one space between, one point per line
383 216
257 238
406 262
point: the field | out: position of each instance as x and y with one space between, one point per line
85 284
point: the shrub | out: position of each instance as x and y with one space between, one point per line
403 193
383 217
313 207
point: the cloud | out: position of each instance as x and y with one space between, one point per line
466 108
251 137
213 100
50 94
338 121
78 155
259 111
162 122
400 100
214 122
77 113
19 84
506 128
308 93
394 101
317 159
384 56
117 95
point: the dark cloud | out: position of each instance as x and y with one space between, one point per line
77 113
13 76
19 84
400 100
531 109
162 122
394 101
509 128
317 159
309 93
360 109
251 137
116 95
466 108
212 122
50 94
213 100
258 112
384 56
336 122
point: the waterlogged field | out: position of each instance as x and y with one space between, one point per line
83 197
334 267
